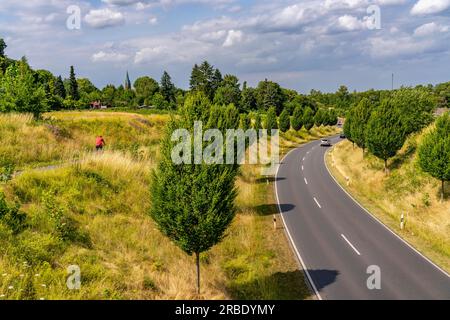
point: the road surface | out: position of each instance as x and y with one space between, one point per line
340 244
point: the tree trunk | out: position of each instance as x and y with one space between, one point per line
197 258
364 153
385 166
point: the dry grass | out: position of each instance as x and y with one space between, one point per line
122 255
405 190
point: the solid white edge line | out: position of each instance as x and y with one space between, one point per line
303 169
378 220
317 202
306 181
351 245
286 228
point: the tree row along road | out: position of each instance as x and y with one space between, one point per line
340 245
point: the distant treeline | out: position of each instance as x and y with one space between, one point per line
25 90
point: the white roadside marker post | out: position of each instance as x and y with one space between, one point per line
402 222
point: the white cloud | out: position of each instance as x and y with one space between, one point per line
103 56
430 29
423 7
398 47
351 23
233 37
103 18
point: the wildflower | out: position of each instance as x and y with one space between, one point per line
10 287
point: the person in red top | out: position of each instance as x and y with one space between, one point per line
99 143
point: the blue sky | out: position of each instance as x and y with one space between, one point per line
303 45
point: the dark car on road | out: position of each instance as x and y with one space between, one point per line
342 136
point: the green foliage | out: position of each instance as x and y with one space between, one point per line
258 122
19 91
245 122
269 94
331 118
73 85
145 88
360 118
11 216
248 100
297 118
308 118
434 152
229 91
271 120
320 118
193 205
7 168
416 108
60 90
206 79
196 107
3 46
385 134
285 121
168 89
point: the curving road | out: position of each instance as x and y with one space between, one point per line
336 240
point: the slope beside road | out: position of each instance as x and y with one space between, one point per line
340 245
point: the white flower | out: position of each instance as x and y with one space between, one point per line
4 275
41 299
10 287
37 275
2 296
43 285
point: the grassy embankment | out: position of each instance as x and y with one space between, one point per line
405 190
93 214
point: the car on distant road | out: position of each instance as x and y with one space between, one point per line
342 136
325 143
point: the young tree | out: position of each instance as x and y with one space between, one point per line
308 118
385 134
271 120
244 122
297 118
192 204
331 118
285 121
258 122
348 126
361 115
168 88
73 85
434 152
319 118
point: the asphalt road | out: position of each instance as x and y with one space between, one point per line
341 245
